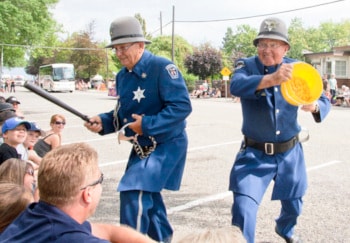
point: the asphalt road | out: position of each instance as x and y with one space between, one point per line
214 138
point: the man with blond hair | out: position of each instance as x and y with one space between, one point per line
69 182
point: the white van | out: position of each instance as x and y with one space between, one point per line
19 80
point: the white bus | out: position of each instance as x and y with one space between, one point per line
57 77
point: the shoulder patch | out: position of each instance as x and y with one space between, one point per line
239 64
172 70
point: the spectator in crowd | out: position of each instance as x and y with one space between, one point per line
14 200
33 135
2 99
6 111
231 234
205 88
7 85
14 132
70 188
215 93
15 103
343 96
2 85
326 89
52 137
346 95
20 172
270 149
197 93
333 85
154 104
13 86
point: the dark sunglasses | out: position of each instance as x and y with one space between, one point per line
99 181
60 123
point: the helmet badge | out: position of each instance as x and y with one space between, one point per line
271 25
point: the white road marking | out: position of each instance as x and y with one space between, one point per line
218 196
189 150
226 194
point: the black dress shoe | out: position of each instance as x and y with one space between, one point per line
292 239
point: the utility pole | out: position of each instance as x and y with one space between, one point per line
161 23
2 62
173 37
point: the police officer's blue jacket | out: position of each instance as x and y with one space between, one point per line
155 89
267 117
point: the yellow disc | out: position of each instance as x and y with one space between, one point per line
304 87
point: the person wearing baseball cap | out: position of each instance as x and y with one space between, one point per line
152 108
6 111
12 99
270 148
15 103
33 135
14 132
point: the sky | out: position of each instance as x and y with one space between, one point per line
76 15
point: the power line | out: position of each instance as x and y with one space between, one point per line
163 26
52 47
246 17
249 17
259 15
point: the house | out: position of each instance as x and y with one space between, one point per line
335 62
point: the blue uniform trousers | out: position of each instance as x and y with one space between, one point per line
245 210
145 212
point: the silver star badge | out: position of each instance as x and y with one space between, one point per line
270 25
138 94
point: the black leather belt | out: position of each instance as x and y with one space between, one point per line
272 148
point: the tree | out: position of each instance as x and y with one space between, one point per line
239 43
297 36
335 34
143 26
25 22
87 56
162 46
205 61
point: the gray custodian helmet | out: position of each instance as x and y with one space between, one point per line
272 28
126 30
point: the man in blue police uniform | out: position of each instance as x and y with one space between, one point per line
271 149
153 103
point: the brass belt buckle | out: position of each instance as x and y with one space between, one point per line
269 149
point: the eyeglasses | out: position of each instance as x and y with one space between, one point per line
99 181
30 172
123 49
60 123
272 46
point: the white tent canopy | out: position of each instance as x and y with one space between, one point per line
97 77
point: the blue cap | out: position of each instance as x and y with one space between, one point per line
35 128
14 122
